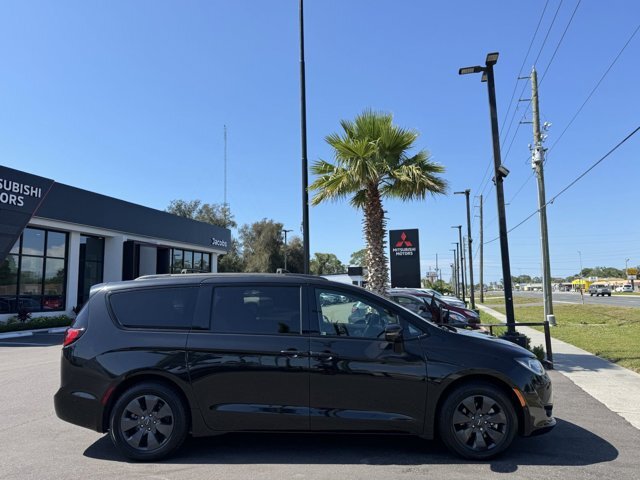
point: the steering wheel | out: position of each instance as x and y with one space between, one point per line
374 324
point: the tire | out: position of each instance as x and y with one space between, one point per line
155 410
466 421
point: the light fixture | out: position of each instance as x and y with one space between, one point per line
492 58
468 70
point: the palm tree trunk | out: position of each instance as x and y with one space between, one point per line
375 235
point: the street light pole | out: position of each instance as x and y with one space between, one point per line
469 242
285 246
500 172
458 273
303 135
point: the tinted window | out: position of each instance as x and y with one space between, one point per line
352 315
266 310
155 308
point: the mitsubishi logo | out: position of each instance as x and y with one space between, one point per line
404 241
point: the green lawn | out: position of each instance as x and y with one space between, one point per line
517 300
609 332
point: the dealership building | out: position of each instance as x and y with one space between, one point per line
56 241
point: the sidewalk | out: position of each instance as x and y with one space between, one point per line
616 387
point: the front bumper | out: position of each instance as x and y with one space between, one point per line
538 408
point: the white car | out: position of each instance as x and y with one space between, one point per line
627 288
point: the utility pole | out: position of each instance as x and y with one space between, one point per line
537 163
461 262
469 244
481 254
437 276
285 246
303 135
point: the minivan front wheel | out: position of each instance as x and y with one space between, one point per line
477 421
148 422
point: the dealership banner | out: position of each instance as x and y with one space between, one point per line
20 195
405 258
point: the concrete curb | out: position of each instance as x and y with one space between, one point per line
618 388
21 333
28 333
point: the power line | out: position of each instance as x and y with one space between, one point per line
553 56
586 100
596 87
579 177
485 178
548 32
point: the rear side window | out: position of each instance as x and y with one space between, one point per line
155 308
256 310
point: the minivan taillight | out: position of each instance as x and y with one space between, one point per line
71 335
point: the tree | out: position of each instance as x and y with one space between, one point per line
262 246
372 162
357 258
232 261
295 255
326 264
212 213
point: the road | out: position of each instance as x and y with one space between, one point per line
589 442
571 297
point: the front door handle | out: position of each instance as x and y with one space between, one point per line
326 356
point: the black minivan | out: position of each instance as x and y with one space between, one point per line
155 359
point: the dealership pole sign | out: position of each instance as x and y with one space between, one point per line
405 258
20 196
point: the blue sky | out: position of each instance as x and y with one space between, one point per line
129 99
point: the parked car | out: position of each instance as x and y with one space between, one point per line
627 288
469 315
599 289
158 358
432 309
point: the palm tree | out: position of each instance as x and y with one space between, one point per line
372 162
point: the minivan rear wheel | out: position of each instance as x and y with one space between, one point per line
148 422
477 421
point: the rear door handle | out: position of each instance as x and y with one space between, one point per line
294 353
328 356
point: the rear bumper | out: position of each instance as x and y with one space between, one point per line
79 408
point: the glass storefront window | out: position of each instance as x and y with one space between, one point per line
190 260
33 241
91 265
56 244
31 271
33 276
187 259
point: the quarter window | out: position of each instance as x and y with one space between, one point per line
256 310
155 307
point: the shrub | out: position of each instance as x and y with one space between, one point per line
14 324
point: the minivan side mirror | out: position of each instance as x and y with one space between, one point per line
393 333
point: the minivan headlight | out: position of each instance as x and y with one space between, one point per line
531 364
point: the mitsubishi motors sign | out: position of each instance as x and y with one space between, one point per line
405 258
20 195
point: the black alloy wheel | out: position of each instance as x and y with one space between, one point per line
477 421
148 422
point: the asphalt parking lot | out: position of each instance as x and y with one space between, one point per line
589 442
